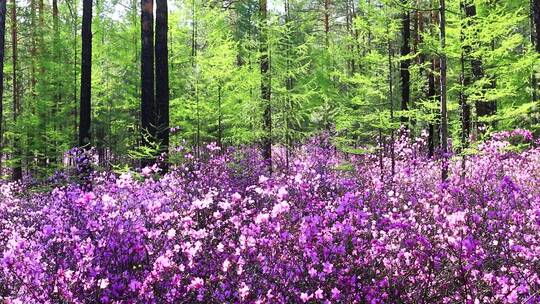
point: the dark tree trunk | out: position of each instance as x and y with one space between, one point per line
41 17
465 107
465 82
431 96
162 75
3 9
433 79
391 101
405 64
148 112
220 120
444 118
326 21
535 37
536 18
289 85
17 169
86 76
265 87
194 88
57 83
33 51
483 108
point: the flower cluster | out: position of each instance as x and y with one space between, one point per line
222 230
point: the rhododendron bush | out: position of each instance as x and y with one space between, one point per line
331 228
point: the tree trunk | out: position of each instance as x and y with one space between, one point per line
431 96
391 101
483 108
444 118
86 76
33 50
289 85
465 82
57 83
220 120
195 90
3 9
17 169
148 120
265 86
162 75
535 37
40 13
433 79
536 18
55 15
326 21
405 64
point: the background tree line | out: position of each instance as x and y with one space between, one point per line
133 78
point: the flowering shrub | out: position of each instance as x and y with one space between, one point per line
223 231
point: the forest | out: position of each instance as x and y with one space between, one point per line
269 151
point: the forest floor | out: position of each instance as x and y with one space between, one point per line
327 229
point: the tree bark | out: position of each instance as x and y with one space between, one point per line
326 21
535 37
148 120
483 108
55 21
431 96
162 75
433 79
86 76
465 82
17 169
405 64
444 118
536 18
40 13
265 86
33 49
391 101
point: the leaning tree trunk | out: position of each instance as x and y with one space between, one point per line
265 87
148 117
86 76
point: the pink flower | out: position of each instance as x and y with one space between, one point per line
328 267
236 197
134 285
335 293
146 171
305 297
243 291
171 233
226 265
103 283
319 294
263 179
196 283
